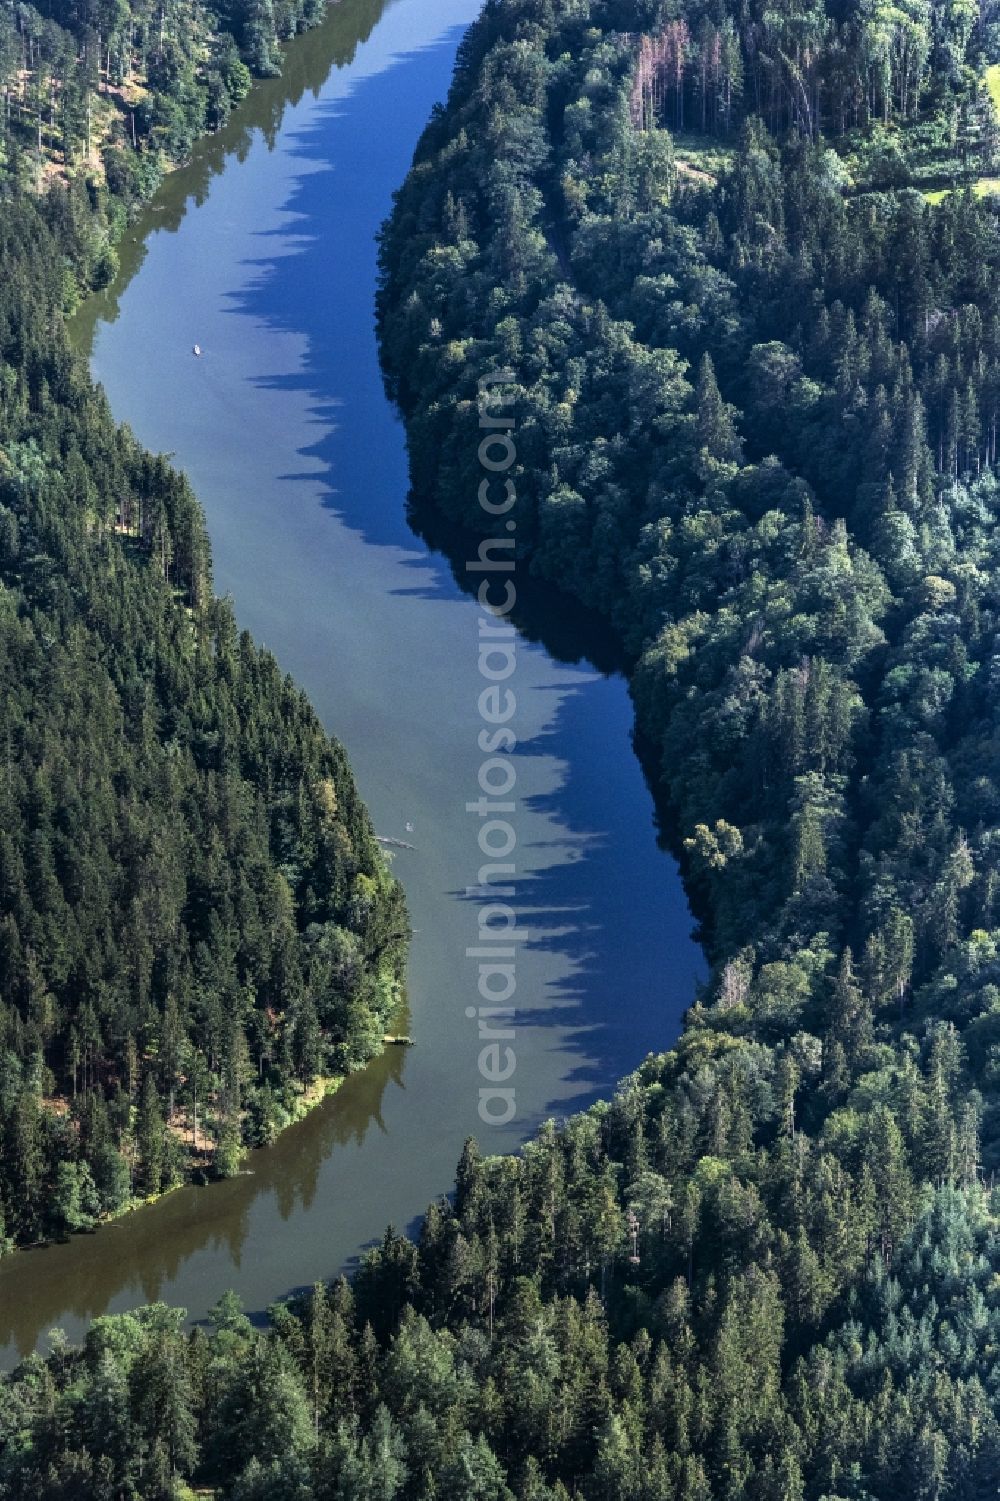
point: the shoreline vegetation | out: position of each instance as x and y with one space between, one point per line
116 97
199 933
200 1159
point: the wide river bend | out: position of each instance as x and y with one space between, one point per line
261 251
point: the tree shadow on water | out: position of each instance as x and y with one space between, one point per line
608 905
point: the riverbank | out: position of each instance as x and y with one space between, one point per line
201 1159
215 996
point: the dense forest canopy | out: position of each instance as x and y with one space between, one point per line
741 262
119 88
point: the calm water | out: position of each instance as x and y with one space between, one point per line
262 252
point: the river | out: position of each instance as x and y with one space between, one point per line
262 252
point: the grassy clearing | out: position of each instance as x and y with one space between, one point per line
993 84
983 187
700 157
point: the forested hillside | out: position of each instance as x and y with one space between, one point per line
742 265
122 87
756 410
197 928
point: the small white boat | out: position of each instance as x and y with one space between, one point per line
409 828
197 350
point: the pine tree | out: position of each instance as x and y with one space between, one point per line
150 1137
717 436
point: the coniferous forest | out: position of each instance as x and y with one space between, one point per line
82 80
742 264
